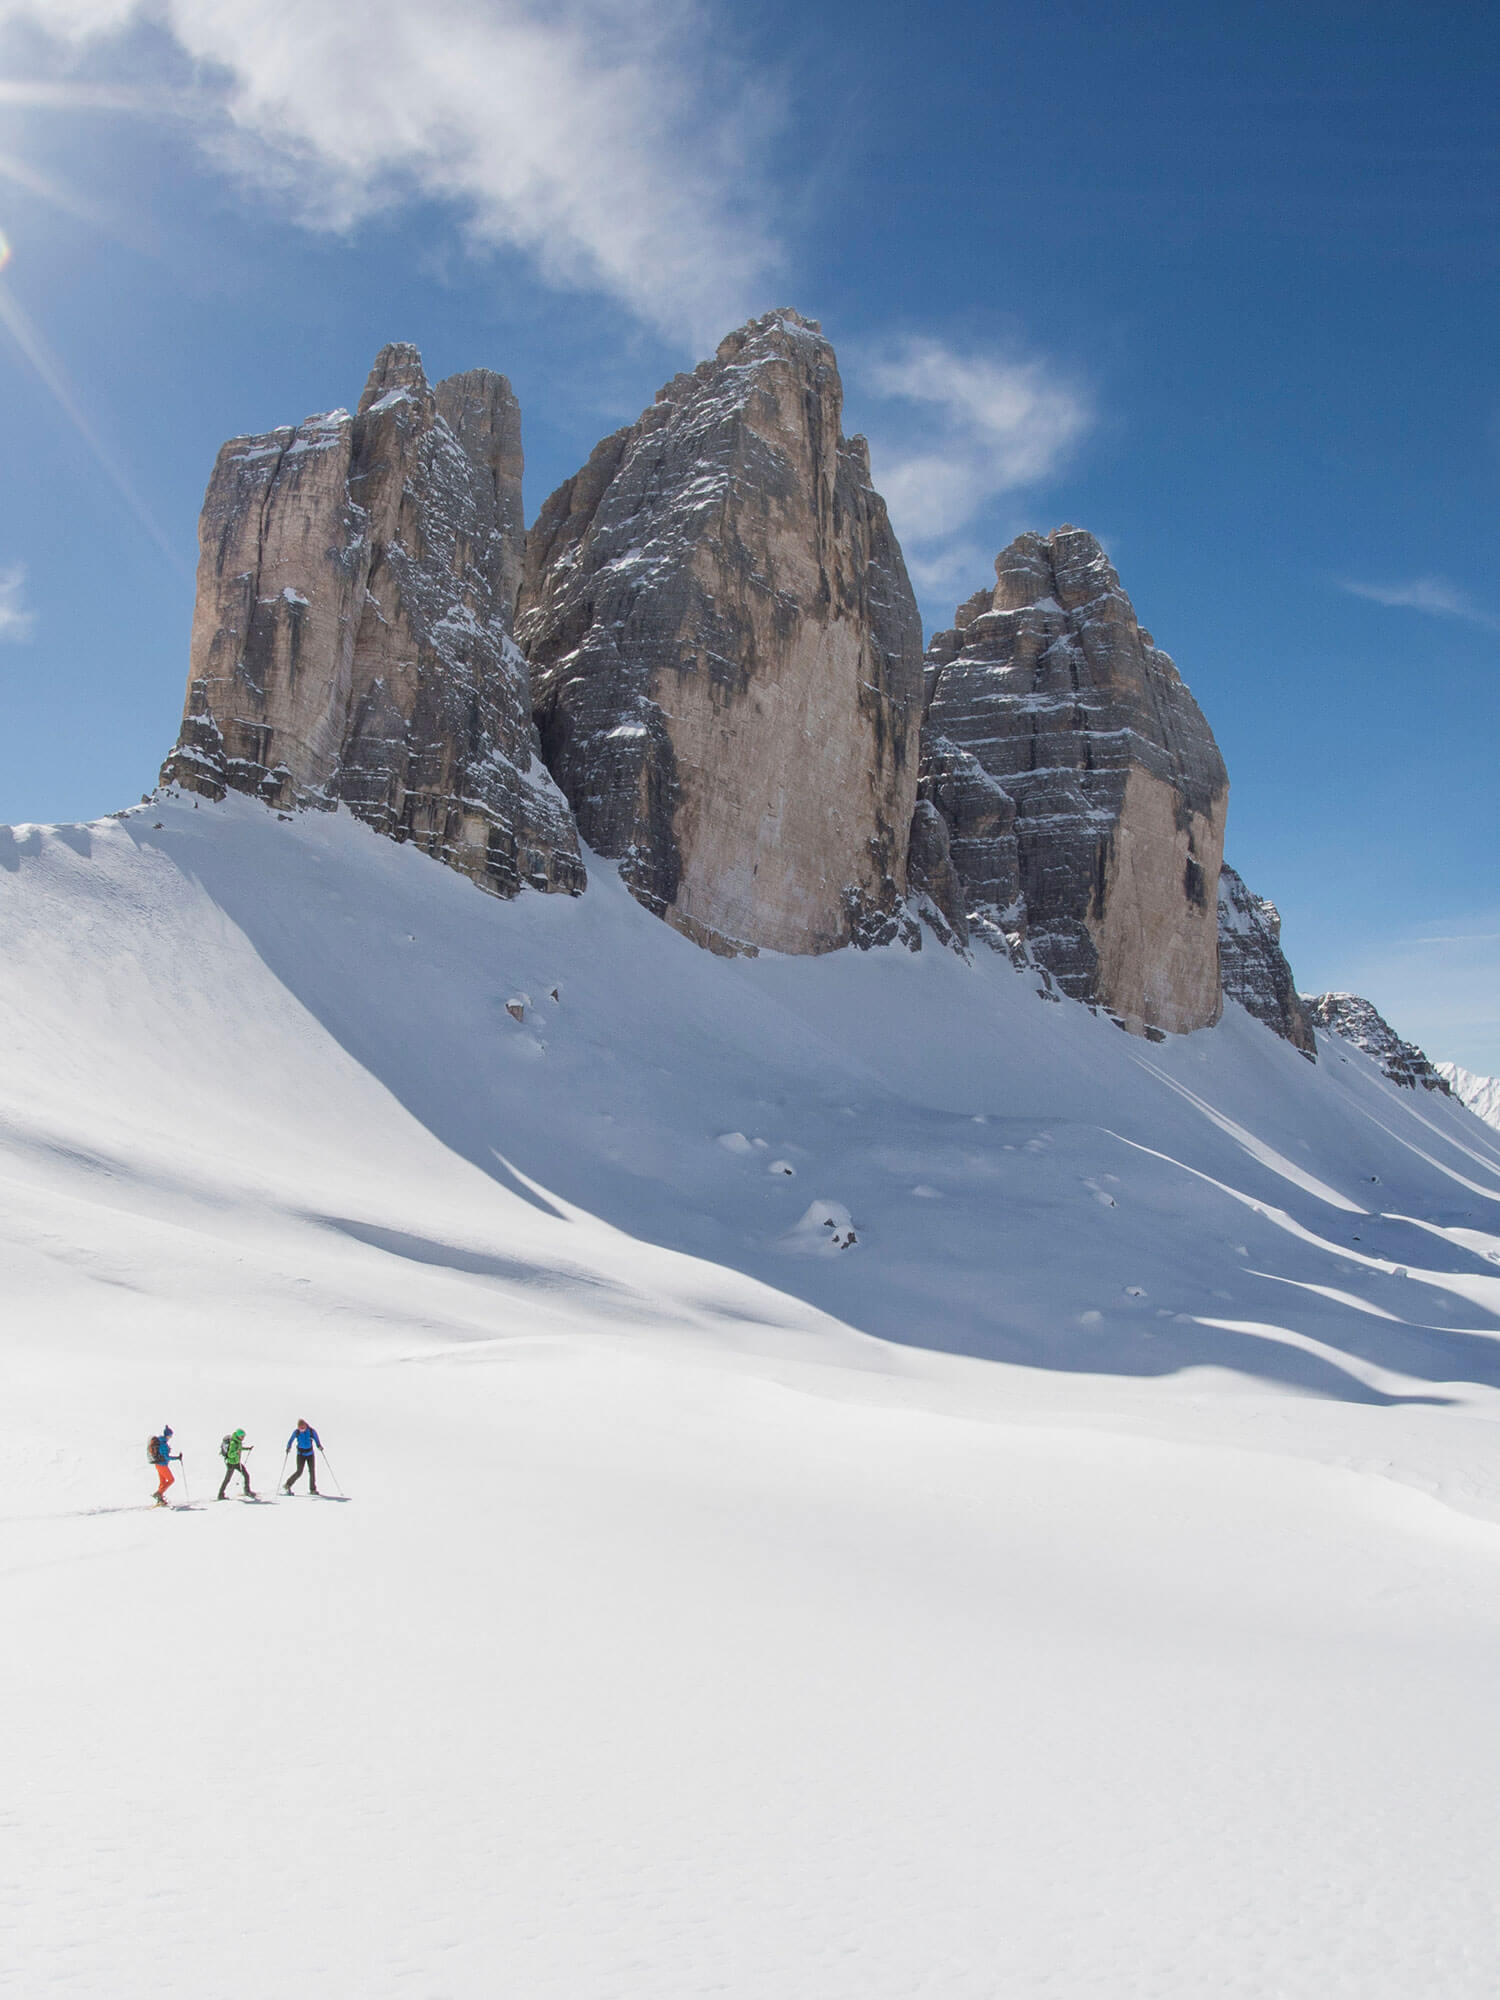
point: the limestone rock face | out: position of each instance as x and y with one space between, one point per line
1253 967
726 654
980 818
1356 1020
1083 790
930 872
352 636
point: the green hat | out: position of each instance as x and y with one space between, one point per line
239 1434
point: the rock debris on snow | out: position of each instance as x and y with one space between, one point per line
825 1227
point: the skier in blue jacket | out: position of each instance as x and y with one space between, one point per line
308 1444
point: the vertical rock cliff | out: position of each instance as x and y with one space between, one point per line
726 654
352 634
1082 789
1253 967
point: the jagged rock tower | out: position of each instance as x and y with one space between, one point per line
726 654
352 635
1253 967
1080 788
723 682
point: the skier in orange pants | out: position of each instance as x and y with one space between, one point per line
161 1455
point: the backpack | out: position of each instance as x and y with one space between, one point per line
226 1446
153 1451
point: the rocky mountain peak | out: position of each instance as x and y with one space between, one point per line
1357 1021
722 671
1480 1093
352 633
780 329
1068 566
1083 790
397 371
726 653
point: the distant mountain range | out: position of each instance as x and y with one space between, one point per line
1480 1093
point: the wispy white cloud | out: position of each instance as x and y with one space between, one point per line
615 141
49 95
948 569
959 430
1425 593
16 620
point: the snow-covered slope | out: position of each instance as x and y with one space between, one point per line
1082 1581
1480 1093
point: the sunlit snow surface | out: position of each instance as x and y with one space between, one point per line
1480 1093
1084 1582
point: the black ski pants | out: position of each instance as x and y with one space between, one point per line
308 1460
229 1471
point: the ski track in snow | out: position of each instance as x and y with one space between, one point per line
1085 1581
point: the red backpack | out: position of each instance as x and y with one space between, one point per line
154 1452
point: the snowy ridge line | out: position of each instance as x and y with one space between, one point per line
1480 1093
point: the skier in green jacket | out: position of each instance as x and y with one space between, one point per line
233 1449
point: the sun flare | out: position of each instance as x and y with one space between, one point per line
4 249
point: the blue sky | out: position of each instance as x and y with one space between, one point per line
1221 284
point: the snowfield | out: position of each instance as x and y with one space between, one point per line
1046 1543
1480 1093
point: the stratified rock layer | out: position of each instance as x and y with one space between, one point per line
726 654
1252 965
930 873
352 634
1356 1020
982 889
1083 790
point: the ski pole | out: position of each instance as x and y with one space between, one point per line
281 1482
187 1498
334 1476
